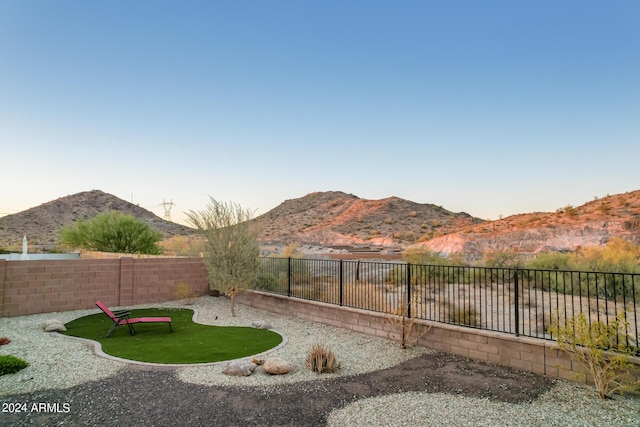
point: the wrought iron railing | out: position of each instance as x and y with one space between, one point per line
518 301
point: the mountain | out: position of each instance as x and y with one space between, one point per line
337 218
567 229
41 223
334 218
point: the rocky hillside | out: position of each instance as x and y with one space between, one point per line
337 218
567 229
41 223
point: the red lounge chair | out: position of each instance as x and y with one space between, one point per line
122 318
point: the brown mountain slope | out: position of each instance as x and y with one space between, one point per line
41 223
567 229
337 218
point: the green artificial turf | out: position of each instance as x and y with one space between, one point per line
189 343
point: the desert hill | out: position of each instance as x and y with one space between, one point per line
41 223
567 229
334 218
337 218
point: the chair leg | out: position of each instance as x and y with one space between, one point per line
170 327
131 328
115 325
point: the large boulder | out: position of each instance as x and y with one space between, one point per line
240 368
54 325
273 366
260 324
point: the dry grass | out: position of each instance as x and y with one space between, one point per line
321 359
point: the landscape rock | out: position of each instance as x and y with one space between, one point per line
54 325
273 366
240 368
260 324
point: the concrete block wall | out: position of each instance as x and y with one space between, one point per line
31 287
524 353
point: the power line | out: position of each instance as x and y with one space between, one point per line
167 209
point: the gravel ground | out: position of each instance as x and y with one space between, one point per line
379 384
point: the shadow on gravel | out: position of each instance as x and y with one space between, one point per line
143 397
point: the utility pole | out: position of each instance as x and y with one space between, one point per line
167 209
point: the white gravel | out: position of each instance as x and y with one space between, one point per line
567 404
59 362
54 361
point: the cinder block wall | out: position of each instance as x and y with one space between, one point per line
528 354
31 287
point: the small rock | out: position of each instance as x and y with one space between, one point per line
260 324
240 368
275 366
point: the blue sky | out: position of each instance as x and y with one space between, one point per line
488 107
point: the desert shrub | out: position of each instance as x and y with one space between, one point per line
11 364
321 358
184 290
4 340
500 259
463 314
603 349
427 266
112 232
550 261
292 250
291 253
267 282
403 326
300 271
424 257
183 246
623 202
618 255
568 210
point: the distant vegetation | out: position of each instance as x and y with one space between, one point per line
619 256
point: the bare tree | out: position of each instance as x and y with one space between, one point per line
232 250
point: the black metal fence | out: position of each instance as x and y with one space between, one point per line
512 300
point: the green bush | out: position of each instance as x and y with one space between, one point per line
11 364
501 259
112 232
267 282
550 261
604 349
463 314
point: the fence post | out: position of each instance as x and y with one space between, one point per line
289 276
408 290
341 283
517 306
